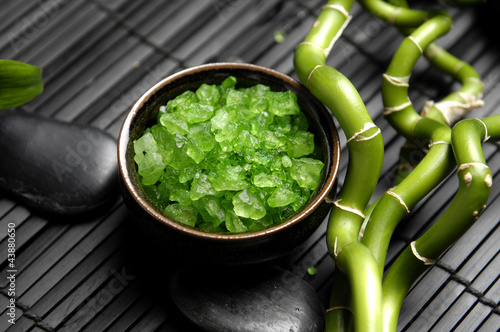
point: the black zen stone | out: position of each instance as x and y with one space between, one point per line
252 298
54 166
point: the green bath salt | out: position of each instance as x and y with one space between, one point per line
229 160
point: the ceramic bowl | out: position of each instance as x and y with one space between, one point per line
227 249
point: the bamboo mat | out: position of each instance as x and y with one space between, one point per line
99 56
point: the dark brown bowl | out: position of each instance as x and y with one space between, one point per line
228 249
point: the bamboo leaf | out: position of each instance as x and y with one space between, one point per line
19 83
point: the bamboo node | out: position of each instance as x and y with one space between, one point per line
465 166
311 74
488 180
486 136
367 127
337 36
397 81
459 66
390 110
416 44
315 45
437 142
427 107
394 15
341 9
427 261
348 208
400 200
468 178
454 110
339 308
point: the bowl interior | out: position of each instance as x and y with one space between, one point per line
144 112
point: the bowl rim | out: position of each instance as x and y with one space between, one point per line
123 141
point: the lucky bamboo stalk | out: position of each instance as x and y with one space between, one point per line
365 145
475 183
399 111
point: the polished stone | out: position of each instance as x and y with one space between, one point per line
54 166
252 298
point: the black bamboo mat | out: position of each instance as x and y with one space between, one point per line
99 56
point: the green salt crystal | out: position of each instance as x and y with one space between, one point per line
201 187
165 142
214 208
299 202
281 197
209 228
194 151
175 123
196 113
307 172
229 177
234 224
229 83
282 124
188 173
149 162
180 140
220 120
286 161
258 102
208 95
263 180
183 214
237 97
181 196
181 159
272 140
184 99
153 193
260 123
260 224
247 205
248 140
230 132
282 103
201 135
299 123
301 144
161 110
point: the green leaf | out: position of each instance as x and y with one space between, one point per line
19 83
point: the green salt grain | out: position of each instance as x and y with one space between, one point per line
281 197
201 135
282 103
184 99
181 196
201 187
196 113
301 144
175 123
208 95
149 161
234 224
247 205
165 142
307 172
184 214
263 180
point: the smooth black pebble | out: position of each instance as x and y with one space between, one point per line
261 298
54 166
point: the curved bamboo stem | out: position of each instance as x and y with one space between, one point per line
474 187
365 147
